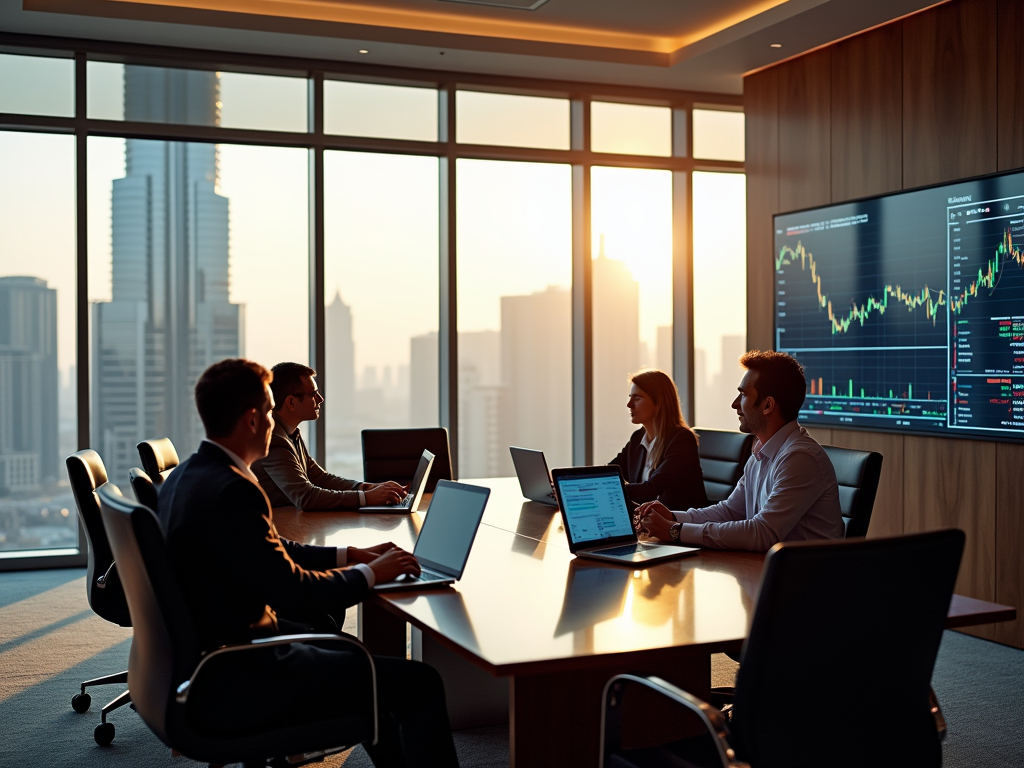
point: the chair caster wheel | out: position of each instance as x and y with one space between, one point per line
104 734
81 702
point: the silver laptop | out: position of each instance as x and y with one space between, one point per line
446 536
597 520
411 502
534 478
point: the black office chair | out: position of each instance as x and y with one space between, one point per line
857 473
142 486
882 600
393 454
103 586
723 455
165 664
158 459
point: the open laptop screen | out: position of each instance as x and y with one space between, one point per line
595 507
450 526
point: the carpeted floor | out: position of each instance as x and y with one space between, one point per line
50 641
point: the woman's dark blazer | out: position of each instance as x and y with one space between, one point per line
676 482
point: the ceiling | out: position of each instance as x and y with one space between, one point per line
692 45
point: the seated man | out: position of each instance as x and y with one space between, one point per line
237 576
288 474
788 491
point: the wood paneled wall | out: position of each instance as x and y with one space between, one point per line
935 97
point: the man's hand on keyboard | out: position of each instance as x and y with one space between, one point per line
384 493
393 564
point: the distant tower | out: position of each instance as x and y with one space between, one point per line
536 369
170 315
483 416
28 383
424 399
341 367
616 324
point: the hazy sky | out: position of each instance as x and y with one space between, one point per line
514 224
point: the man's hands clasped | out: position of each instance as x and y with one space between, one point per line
655 519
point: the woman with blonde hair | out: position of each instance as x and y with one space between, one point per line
660 461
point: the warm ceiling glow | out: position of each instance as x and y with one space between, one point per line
458 23
776 45
363 50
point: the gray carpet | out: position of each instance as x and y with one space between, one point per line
50 642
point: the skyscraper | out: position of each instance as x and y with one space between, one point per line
616 324
28 383
340 389
170 315
536 369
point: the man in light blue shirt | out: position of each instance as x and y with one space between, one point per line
788 491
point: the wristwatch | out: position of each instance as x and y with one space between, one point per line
673 531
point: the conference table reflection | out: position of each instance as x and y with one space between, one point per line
530 634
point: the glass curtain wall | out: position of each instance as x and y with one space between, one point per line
37 341
199 248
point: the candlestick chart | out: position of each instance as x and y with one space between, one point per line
907 310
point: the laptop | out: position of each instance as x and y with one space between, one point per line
412 499
597 519
446 536
534 478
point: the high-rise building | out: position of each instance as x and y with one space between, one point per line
616 327
28 384
170 315
340 389
536 370
424 398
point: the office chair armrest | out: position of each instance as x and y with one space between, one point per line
269 642
711 717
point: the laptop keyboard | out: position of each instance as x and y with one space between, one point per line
628 549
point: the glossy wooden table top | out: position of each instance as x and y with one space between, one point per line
525 603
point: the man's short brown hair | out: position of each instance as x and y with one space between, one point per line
779 376
228 390
288 381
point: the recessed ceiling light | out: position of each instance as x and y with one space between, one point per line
776 45
363 50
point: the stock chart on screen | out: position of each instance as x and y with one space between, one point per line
907 310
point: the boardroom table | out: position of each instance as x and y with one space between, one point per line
530 634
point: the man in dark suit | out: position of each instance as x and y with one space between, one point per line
238 575
288 474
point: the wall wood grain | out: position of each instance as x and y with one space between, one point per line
867 114
1010 76
949 93
761 107
805 131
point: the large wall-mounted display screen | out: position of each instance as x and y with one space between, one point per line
907 310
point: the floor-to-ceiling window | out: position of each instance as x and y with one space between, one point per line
416 242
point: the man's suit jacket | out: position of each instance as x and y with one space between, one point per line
234 569
289 475
677 482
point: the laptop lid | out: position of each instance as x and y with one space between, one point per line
592 501
450 527
419 478
532 471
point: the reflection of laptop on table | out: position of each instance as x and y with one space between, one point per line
446 536
534 479
597 521
416 488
